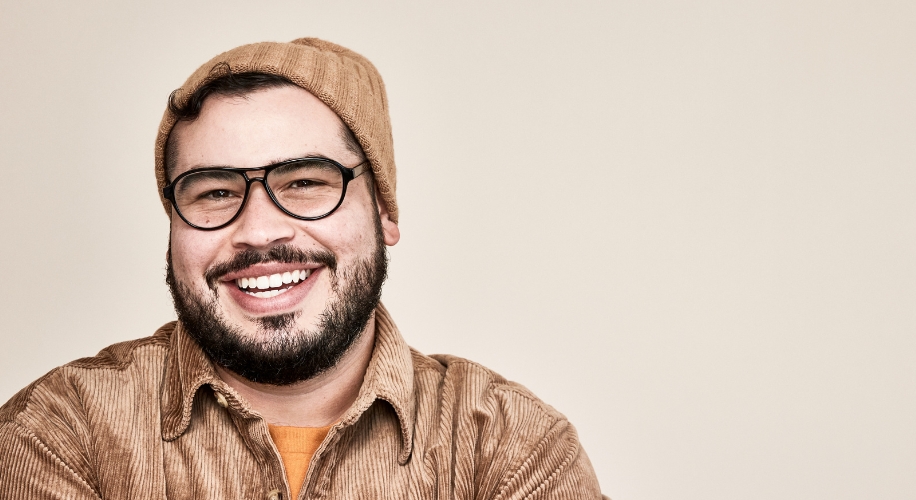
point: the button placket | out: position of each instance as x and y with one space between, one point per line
273 469
316 477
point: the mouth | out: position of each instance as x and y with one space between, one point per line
271 287
267 286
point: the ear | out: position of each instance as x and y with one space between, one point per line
389 229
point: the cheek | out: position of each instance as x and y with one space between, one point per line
192 252
350 241
350 231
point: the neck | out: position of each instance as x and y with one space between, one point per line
317 402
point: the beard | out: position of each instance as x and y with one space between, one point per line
282 354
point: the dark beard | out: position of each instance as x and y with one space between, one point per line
286 356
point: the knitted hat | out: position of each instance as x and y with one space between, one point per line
344 80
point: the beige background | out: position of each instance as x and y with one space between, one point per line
690 226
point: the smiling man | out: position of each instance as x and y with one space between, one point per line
284 376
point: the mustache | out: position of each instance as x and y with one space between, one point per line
285 254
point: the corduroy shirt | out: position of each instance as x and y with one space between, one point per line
150 418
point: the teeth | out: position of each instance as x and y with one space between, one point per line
269 293
272 281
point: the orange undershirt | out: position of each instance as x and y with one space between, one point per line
296 446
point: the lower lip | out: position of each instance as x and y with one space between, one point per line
284 302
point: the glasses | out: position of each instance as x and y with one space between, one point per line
305 188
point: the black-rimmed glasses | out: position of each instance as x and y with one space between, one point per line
304 188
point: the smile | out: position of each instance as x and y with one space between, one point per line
272 285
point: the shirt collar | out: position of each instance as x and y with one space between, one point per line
389 377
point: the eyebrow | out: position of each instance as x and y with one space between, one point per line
191 180
272 162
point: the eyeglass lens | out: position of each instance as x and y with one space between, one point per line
307 188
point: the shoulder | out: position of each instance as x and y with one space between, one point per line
481 384
482 402
523 447
48 428
66 388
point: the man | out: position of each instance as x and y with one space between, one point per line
284 376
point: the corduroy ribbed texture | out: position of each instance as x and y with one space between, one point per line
347 82
142 420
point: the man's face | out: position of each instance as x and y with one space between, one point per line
342 255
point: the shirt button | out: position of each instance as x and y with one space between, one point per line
273 495
221 400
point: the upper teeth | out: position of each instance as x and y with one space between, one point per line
273 280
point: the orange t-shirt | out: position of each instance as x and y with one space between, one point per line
296 446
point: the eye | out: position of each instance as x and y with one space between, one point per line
217 194
304 183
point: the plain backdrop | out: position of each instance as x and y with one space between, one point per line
689 226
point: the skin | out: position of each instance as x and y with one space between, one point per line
261 128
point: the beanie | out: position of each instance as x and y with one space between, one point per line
345 81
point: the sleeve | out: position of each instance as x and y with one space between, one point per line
29 469
556 469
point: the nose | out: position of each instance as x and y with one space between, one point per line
261 224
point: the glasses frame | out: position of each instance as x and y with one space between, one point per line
347 173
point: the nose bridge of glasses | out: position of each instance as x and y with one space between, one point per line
267 195
254 175
253 185
258 197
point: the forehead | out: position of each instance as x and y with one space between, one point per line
259 128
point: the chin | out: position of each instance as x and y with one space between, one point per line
292 341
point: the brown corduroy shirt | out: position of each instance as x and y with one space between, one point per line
150 418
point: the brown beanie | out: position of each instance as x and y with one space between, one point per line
344 80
